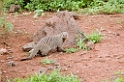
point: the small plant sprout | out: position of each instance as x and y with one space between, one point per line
81 44
47 61
5 26
71 50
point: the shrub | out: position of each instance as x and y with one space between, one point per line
91 6
110 7
54 5
8 3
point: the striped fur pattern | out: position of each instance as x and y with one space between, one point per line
48 44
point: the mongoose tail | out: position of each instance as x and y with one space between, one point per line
25 59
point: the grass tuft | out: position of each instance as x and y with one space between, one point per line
55 76
47 61
95 36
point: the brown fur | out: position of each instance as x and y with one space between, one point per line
14 8
49 43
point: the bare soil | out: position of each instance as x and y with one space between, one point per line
95 65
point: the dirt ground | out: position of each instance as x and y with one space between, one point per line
95 65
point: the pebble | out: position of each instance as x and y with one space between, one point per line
10 57
3 51
99 56
11 64
4 71
85 52
90 45
117 34
42 70
50 68
64 68
56 64
77 72
55 61
10 51
107 69
69 65
121 61
2 61
71 59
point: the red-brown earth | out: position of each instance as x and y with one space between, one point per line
95 65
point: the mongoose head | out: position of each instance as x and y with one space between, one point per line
64 35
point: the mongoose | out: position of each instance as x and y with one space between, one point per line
47 44
14 8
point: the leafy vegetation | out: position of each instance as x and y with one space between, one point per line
54 5
8 3
82 45
119 78
55 76
91 6
5 26
94 37
110 7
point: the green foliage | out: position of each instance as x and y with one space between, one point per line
49 5
91 6
119 78
55 76
8 3
48 61
5 25
95 36
54 5
110 7
71 50
82 44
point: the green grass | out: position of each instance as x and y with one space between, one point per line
47 61
88 6
81 44
71 50
55 76
5 25
110 7
119 77
95 36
